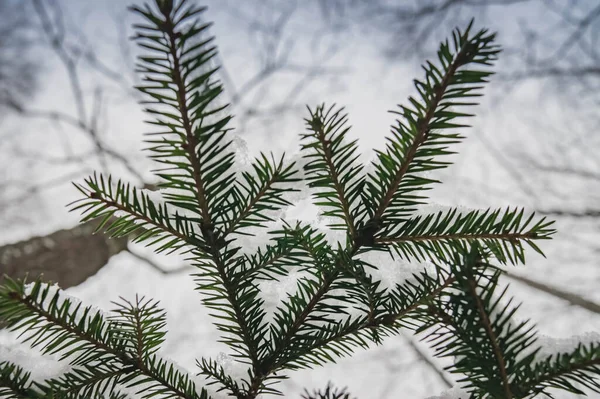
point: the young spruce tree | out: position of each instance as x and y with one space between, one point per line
206 204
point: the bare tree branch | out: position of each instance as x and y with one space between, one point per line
573 299
425 358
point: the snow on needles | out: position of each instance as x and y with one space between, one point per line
551 346
40 366
455 392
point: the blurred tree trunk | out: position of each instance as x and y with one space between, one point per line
67 257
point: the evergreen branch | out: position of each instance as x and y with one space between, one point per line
365 291
441 235
140 326
301 305
337 339
407 297
560 370
318 251
57 323
479 51
477 331
192 142
15 383
88 381
214 370
274 260
180 77
232 285
376 212
164 381
411 150
87 336
332 166
236 300
291 317
308 300
491 335
143 218
329 393
259 196
523 379
182 71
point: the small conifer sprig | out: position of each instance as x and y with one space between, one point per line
103 352
338 305
329 393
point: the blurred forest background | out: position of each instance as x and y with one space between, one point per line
67 108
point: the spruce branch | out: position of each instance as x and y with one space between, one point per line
491 335
315 324
414 149
86 381
411 150
441 235
215 371
365 292
180 77
235 300
274 259
329 393
293 313
562 369
15 382
140 326
492 351
95 346
144 219
332 166
480 336
249 201
338 339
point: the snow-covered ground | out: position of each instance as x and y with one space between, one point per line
390 371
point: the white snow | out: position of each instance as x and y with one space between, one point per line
120 214
434 208
236 370
154 195
30 359
550 345
452 393
555 345
392 272
191 334
274 293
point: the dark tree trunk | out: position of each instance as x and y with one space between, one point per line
67 257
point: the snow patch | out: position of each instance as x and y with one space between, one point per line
452 393
433 208
391 272
551 346
42 367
